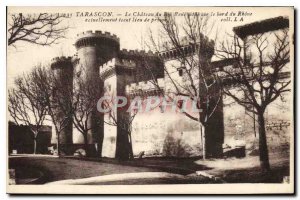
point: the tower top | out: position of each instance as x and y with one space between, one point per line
116 65
60 62
90 38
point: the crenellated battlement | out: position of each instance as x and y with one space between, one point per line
97 38
189 48
145 86
100 34
61 58
127 63
116 64
62 61
136 53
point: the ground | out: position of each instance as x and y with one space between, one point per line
149 170
247 170
57 169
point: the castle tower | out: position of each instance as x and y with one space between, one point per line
214 125
125 69
63 70
94 49
116 74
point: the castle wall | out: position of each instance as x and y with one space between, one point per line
110 132
88 58
161 133
214 130
116 74
165 134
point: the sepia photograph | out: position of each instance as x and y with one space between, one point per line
150 100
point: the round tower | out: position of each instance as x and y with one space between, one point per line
95 49
62 95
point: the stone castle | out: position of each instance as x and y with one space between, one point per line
126 72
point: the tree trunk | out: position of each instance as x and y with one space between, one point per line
58 145
34 145
254 125
263 147
122 145
202 130
85 137
34 141
212 129
100 144
130 146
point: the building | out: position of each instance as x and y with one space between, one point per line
21 139
126 73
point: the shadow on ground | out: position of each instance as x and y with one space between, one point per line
55 169
244 170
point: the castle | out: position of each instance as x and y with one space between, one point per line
126 73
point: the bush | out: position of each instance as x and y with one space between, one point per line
175 147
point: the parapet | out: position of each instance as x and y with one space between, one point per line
98 35
125 53
114 63
59 62
145 86
189 48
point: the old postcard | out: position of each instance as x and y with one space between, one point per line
150 100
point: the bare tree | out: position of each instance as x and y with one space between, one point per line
86 94
26 104
57 97
186 42
41 29
259 74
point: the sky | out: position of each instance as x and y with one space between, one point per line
25 56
